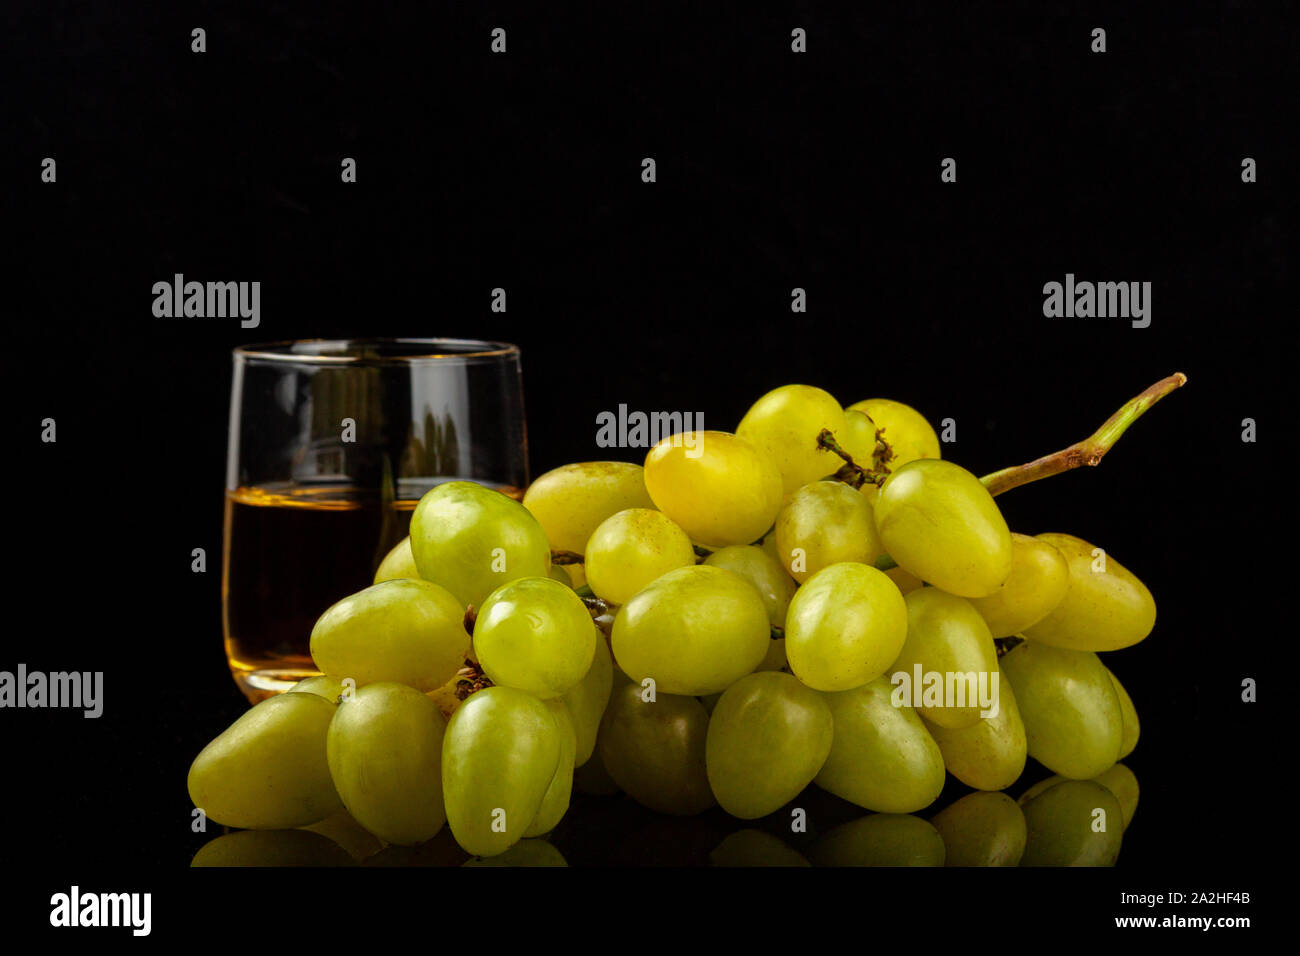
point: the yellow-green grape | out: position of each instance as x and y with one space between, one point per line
905 430
937 521
572 500
408 632
262 848
784 424
717 487
762 570
1070 709
982 829
775 659
881 839
557 573
586 700
768 736
1105 606
632 548
1119 780
882 757
845 626
343 829
1123 783
1128 717
472 540
1074 823
577 574
556 802
593 778
755 848
268 770
441 851
1035 586
398 564
535 634
825 523
321 686
695 631
906 581
654 750
524 853
948 661
989 755
858 438
385 757
499 755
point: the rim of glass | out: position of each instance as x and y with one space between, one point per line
382 351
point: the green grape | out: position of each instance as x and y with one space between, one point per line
947 638
1037 582
407 632
825 523
905 430
695 631
343 829
398 564
720 490
858 438
754 848
881 839
472 540
761 569
1069 706
1105 606
529 852
882 757
593 778
632 548
499 755
845 626
556 802
982 829
586 700
268 770
264 848
1128 718
784 424
654 750
577 574
1074 823
385 758
937 521
321 686
571 501
557 573
989 755
1123 783
768 736
535 634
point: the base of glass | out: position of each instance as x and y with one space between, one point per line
258 685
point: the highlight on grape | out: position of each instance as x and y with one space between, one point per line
816 600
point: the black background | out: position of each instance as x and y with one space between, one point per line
522 171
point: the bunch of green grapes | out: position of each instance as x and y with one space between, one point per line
817 599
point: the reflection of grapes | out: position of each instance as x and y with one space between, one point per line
748 626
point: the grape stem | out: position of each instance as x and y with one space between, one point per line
1091 450
851 473
566 557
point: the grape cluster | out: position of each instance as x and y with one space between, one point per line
818 598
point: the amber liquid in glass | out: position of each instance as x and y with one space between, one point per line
291 552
